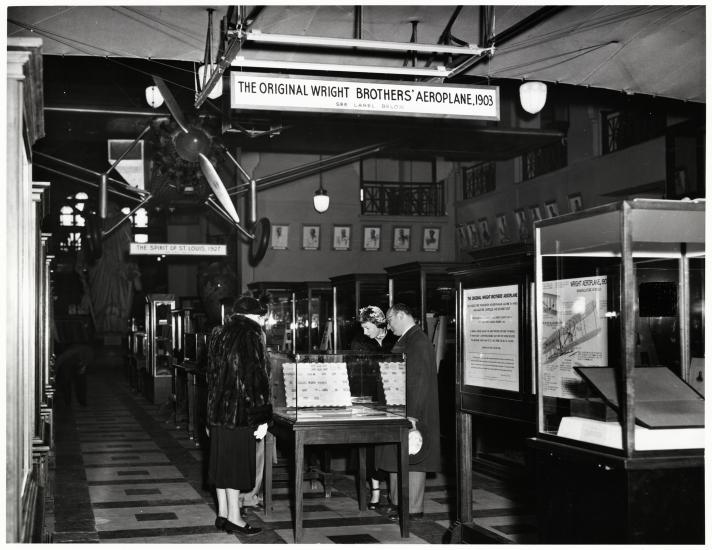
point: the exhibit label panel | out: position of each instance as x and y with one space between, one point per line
574 332
348 96
491 337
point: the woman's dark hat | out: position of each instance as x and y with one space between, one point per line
249 306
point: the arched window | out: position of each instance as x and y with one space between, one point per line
139 221
71 217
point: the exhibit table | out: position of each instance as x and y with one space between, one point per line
349 427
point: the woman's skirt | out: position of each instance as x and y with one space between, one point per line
232 458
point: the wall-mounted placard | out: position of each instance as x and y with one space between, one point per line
491 337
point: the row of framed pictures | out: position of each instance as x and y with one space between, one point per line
477 234
371 237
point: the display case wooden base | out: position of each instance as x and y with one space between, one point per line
590 497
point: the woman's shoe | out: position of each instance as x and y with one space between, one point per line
230 527
220 523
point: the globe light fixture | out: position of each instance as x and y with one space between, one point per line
321 199
154 97
532 96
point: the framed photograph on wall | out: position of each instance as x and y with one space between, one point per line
503 234
431 239
371 237
462 238
523 228
552 209
311 236
575 202
401 238
473 234
485 235
280 237
342 237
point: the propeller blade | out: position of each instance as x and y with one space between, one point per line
171 103
217 187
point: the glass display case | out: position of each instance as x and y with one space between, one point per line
338 386
159 346
312 314
279 328
351 293
618 456
617 327
428 288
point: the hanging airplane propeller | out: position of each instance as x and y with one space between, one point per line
192 143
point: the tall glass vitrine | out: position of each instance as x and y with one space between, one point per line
618 455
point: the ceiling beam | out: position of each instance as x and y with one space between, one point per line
513 31
327 42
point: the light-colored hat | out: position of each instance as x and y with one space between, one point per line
371 314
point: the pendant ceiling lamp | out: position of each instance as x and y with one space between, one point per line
532 96
321 197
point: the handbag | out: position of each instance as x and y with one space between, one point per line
259 414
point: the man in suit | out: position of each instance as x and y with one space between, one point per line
422 409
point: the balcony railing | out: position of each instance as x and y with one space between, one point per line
544 159
478 179
403 199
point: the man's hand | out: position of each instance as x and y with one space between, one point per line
413 421
261 431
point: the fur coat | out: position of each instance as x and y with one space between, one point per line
237 372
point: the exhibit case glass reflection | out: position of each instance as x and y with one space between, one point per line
312 314
351 293
620 324
338 386
280 327
159 351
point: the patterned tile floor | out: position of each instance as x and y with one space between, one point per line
124 475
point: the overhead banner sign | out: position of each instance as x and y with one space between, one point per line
177 249
286 93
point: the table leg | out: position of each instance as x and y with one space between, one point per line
298 485
361 481
268 476
403 496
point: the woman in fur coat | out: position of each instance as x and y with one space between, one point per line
239 407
